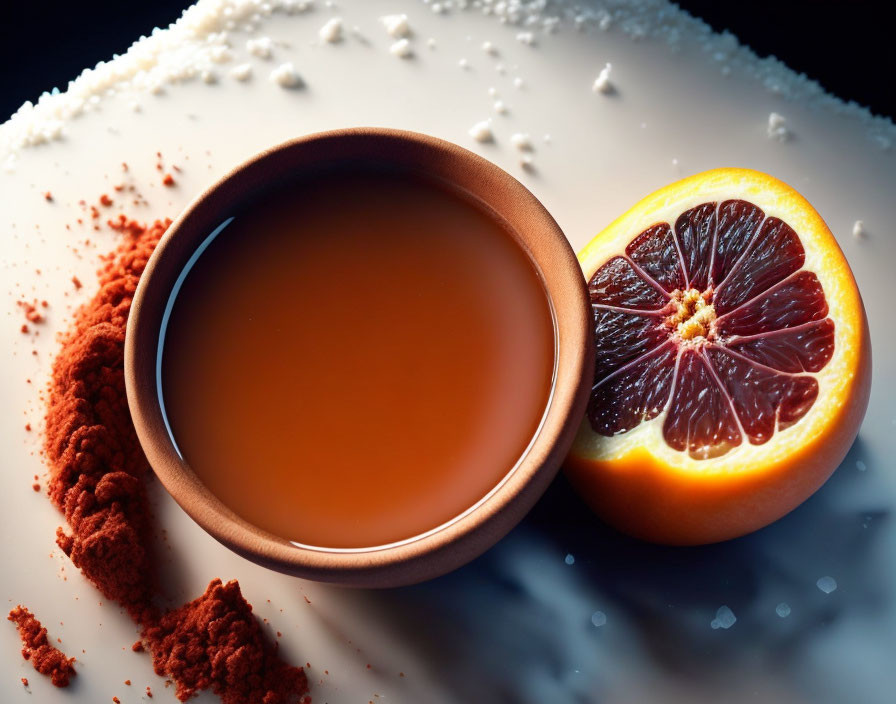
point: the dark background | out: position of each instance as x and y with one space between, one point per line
849 46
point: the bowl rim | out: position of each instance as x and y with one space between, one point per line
474 531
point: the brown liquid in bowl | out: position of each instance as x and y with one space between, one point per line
357 359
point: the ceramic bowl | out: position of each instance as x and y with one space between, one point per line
471 533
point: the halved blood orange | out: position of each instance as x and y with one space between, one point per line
733 361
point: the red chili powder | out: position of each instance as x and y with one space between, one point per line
98 474
32 314
96 460
47 659
245 666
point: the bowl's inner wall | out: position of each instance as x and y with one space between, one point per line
356 357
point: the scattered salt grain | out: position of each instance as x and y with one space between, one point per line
396 25
547 139
402 49
490 48
220 54
602 83
431 43
777 127
242 72
783 609
569 559
518 82
527 38
528 163
521 141
482 131
331 32
209 77
725 618
827 584
286 76
261 47
182 51
599 618
858 230
861 466
500 107
464 64
492 91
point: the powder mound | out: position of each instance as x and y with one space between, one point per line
215 642
96 460
98 473
47 660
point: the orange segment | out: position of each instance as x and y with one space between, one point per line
733 361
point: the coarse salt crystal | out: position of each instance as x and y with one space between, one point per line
528 164
331 32
500 107
220 54
242 72
569 559
827 584
482 131
490 48
599 618
402 49
725 618
521 141
783 609
602 83
464 64
527 38
261 47
396 25
286 76
777 127
858 230
518 82
431 43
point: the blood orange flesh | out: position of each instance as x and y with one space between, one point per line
733 360
714 320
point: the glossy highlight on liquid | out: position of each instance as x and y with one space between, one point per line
357 358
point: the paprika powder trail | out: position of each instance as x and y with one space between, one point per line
97 464
98 475
47 659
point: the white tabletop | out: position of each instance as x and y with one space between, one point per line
516 624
